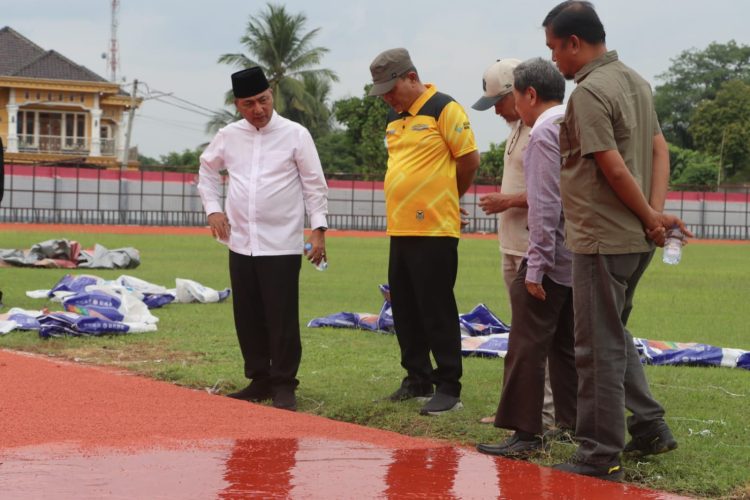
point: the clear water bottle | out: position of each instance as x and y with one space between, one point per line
322 265
673 246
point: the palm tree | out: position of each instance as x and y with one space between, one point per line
277 43
313 111
221 118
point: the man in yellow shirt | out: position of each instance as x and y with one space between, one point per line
432 159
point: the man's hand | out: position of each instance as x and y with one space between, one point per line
464 212
536 290
219 224
495 203
662 223
317 251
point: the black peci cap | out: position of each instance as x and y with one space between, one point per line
249 82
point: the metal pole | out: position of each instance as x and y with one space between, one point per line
126 153
131 114
721 158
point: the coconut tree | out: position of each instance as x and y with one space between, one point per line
276 41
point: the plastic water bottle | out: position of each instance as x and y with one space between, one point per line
322 265
673 246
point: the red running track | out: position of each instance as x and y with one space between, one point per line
75 431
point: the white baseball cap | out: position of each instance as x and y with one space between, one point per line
497 82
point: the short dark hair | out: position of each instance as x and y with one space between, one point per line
575 17
542 76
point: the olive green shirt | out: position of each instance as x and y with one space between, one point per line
610 109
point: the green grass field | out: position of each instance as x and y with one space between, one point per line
704 299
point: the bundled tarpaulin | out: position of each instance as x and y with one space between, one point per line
19 319
63 324
95 306
381 322
491 346
660 352
484 334
480 321
50 253
62 253
154 296
187 291
91 295
652 352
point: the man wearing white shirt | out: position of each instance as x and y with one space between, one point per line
275 177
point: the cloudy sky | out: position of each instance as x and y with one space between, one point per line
172 46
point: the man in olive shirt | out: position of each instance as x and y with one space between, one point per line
613 184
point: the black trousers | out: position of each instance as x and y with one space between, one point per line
540 331
265 296
421 273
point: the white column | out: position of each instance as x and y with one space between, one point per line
96 120
12 108
121 128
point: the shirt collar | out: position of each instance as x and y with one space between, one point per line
548 114
272 124
417 105
606 58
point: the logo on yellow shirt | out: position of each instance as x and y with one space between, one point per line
464 126
420 214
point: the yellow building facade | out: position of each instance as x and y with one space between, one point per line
53 110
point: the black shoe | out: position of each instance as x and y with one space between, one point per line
441 403
411 391
285 399
660 440
256 391
609 472
514 447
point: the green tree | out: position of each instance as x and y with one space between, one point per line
491 164
721 127
365 121
691 170
147 161
695 76
188 159
336 152
276 41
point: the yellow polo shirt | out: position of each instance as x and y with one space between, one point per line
421 194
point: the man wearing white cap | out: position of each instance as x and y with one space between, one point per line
510 203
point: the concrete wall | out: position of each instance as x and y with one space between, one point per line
65 195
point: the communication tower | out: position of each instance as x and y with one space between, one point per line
113 59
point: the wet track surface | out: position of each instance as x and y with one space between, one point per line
70 431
